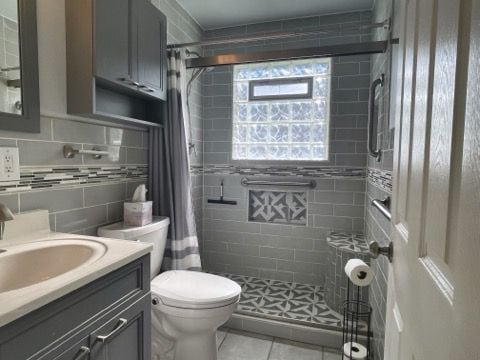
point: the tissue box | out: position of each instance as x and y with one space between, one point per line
137 213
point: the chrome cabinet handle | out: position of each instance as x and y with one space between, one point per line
376 153
82 353
146 88
129 81
104 338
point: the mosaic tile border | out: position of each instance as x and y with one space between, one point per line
301 171
40 178
381 179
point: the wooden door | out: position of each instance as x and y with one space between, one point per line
433 307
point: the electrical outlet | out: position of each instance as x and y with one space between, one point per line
9 164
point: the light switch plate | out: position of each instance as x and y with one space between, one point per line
9 164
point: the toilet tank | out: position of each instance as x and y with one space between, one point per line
154 233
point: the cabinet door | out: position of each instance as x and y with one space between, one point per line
115 41
152 38
126 336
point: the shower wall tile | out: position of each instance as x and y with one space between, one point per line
350 83
286 251
277 251
379 183
80 193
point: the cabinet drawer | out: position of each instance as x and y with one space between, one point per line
47 328
126 336
79 351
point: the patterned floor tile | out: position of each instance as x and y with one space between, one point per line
286 301
303 296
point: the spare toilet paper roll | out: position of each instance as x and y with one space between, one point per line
355 351
358 272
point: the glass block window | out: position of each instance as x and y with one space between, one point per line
281 111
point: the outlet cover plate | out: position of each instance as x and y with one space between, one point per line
9 164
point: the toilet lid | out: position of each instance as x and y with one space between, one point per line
194 290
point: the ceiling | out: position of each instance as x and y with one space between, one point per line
211 14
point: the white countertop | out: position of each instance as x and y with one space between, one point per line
16 303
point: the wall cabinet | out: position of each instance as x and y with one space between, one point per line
104 320
116 60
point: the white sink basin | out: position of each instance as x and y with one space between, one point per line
31 263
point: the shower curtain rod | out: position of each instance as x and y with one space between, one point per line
371 47
281 35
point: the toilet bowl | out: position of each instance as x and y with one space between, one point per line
187 306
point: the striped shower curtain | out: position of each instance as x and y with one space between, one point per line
169 173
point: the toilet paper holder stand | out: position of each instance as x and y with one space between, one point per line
356 332
376 250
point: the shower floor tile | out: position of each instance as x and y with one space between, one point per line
285 301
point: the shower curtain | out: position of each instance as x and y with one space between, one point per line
169 173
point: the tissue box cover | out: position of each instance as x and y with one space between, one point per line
137 213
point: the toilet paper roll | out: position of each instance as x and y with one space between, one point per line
358 272
357 351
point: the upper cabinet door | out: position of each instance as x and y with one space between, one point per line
152 38
115 41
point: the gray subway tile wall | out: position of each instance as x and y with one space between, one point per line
277 251
350 82
75 207
377 228
285 252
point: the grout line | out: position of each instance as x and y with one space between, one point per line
223 340
271 348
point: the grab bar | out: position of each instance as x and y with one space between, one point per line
247 182
376 153
384 207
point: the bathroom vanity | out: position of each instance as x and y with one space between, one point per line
98 310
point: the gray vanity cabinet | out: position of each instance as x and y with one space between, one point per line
108 319
124 336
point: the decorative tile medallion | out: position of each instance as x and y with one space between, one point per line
39 178
278 207
381 179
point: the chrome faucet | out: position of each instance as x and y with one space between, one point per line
5 215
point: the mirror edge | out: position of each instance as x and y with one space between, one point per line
29 121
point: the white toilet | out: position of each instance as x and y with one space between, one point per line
188 306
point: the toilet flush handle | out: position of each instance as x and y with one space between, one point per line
155 301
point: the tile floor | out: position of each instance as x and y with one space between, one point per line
285 301
237 345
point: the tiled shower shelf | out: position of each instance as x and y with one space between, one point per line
296 303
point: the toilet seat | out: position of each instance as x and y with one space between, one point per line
194 290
